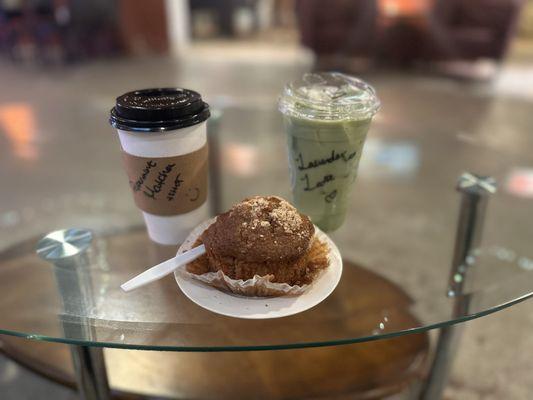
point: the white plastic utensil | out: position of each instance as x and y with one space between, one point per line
163 269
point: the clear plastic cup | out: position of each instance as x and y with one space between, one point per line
326 119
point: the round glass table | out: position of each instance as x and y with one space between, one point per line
420 190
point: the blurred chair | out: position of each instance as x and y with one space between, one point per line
11 26
402 29
471 29
42 26
338 27
55 31
88 29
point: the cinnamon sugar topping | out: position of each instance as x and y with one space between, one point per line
286 216
282 214
260 229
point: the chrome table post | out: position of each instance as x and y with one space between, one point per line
215 162
69 251
475 191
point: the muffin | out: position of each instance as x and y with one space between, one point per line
262 237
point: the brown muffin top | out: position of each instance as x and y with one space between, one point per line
260 229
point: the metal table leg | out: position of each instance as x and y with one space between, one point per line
91 375
215 163
71 254
475 191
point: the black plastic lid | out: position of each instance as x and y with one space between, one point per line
155 110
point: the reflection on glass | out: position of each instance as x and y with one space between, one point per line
507 255
17 123
399 159
240 159
520 182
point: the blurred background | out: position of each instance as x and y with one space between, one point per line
454 36
462 68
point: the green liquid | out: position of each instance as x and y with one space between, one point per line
323 161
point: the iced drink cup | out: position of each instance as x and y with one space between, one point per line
326 118
163 137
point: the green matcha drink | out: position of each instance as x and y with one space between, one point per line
326 116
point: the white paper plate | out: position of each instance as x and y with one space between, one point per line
231 305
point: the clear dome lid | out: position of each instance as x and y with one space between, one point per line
329 96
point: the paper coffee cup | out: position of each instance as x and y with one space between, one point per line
163 137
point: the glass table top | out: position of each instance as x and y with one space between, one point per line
397 242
